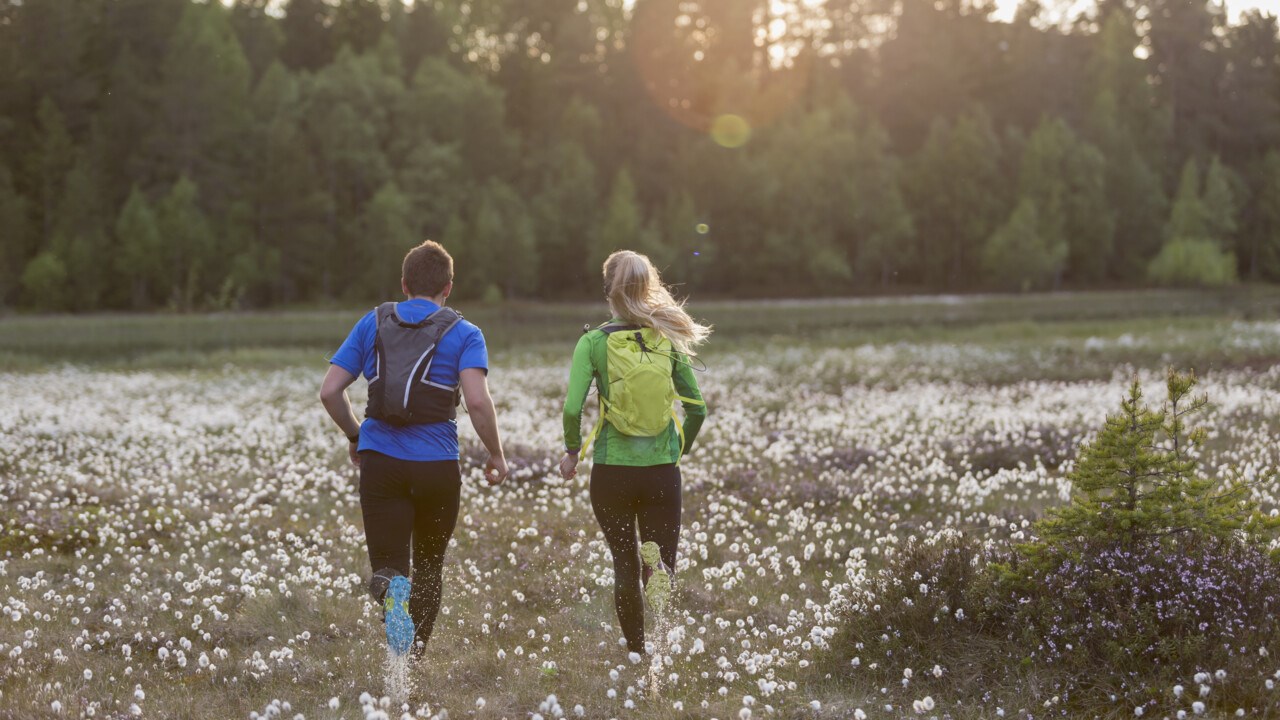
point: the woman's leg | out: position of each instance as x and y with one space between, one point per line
659 511
388 512
436 489
613 500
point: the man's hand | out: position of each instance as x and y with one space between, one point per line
495 470
352 451
569 466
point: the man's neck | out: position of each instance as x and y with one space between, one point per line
438 300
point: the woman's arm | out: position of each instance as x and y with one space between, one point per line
580 374
694 412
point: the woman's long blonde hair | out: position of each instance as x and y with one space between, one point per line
637 296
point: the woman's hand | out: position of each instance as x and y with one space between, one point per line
569 466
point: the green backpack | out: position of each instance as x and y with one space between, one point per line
642 391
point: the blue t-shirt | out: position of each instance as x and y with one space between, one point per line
462 348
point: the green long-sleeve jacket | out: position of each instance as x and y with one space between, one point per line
612 447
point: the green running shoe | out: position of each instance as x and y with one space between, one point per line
657 585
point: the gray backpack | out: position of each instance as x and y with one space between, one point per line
400 392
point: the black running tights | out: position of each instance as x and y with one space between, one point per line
410 505
622 498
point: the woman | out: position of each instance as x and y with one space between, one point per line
639 361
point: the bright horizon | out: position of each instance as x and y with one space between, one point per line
1007 8
1234 8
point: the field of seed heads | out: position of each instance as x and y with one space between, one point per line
189 544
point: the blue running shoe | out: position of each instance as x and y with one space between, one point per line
399 624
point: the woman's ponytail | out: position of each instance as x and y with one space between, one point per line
637 296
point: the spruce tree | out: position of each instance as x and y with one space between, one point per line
1141 480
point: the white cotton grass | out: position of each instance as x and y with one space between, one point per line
228 477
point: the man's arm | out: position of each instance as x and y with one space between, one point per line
484 418
333 395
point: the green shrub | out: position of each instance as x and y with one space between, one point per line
1156 574
1194 263
1140 481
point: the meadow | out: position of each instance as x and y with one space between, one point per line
181 534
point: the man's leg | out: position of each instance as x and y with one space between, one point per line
387 509
437 487
612 500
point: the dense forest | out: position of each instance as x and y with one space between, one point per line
173 154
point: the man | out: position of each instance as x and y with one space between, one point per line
421 359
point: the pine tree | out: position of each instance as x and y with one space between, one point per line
139 257
1140 480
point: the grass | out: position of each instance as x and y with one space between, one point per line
838 428
253 338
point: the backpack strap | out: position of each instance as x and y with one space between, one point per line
611 328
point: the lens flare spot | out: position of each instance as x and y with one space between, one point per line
730 131
703 228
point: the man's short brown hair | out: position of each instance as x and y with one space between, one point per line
427 270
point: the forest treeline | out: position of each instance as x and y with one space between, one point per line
173 154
